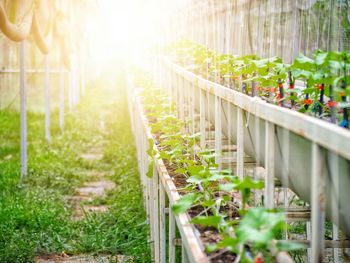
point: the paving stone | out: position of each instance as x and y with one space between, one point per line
54 258
96 189
92 156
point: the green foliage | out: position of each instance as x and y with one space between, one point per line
185 202
36 217
269 76
258 227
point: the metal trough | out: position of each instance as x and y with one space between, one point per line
294 135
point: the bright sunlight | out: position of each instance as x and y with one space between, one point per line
192 131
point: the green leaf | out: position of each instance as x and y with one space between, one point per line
195 136
194 179
164 155
210 248
337 80
213 176
185 202
180 171
195 169
228 187
260 227
248 183
336 64
151 152
302 59
320 57
208 203
150 167
229 243
207 221
309 90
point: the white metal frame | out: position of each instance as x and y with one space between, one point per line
310 128
156 190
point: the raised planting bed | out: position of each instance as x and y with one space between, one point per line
318 86
210 205
156 187
301 151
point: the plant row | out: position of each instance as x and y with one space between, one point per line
318 86
216 199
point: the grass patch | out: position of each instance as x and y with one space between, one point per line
35 218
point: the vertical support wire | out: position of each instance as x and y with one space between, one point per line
318 204
23 112
47 101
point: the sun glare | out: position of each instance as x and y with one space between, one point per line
118 29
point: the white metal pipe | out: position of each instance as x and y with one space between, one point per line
318 205
77 86
162 228
202 118
62 99
151 215
192 108
240 144
336 251
184 255
171 236
47 101
70 91
82 74
23 112
31 71
181 103
218 133
155 221
308 237
270 164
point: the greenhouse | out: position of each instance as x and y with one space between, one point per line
191 131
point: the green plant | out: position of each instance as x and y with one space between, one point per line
326 78
211 190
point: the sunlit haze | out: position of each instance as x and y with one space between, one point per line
117 28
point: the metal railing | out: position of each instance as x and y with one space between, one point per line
319 149
160 194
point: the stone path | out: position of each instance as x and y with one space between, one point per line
53 258
97 188
91 190
88 193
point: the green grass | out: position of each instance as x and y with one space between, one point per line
35 218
